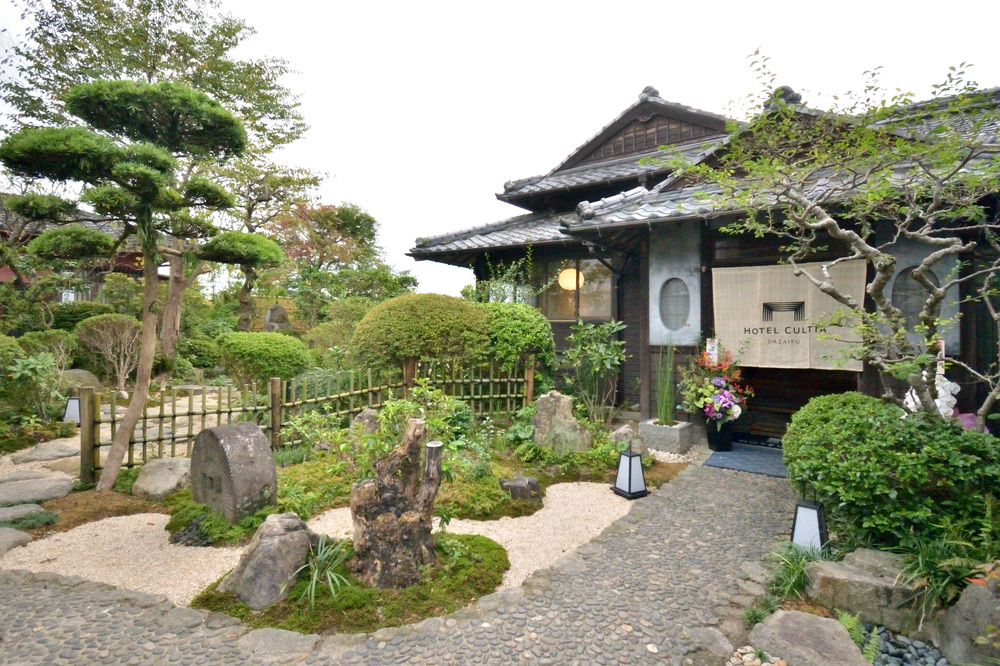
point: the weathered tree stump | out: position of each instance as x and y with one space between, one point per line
392 513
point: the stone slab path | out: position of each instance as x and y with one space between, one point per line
651 589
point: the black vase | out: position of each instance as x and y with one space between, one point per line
720 436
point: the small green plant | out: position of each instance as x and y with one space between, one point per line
595 355
323 564
39 376
790 578
761 654
666 388
866 641
769 603
520 432
126 479
753 615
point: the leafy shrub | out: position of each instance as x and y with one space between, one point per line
11 390
256 357
889 476
39 376
65 316
72 242
419 326
517 330
61 344
595 355
201 351
328 341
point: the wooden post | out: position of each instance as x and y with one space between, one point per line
409 375
275 399
87 436
529 381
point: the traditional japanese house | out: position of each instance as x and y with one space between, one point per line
613 233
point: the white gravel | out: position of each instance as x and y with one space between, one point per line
134 551
129 551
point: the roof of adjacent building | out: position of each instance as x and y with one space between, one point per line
533 228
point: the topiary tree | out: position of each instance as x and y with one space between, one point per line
256 357
127 162
115 339
517 331
72 242
251 253
405 329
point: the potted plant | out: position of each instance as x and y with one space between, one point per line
712 387
665 432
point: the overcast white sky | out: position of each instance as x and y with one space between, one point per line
421 111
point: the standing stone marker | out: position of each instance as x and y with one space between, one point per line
232 470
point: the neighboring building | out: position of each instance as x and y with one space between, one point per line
16 231
612 234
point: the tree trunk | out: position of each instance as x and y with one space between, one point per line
171 327
245 298
147 350
393 513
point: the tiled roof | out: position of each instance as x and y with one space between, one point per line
622 168
515 231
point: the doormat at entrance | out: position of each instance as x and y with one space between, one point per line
747 458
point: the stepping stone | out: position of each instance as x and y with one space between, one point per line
69 466
10 513
11 538
33 491
23 475
53 450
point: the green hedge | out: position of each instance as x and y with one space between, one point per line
427 326
889 476
250 357
65 316
56 342
200 350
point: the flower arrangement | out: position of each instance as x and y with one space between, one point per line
714 388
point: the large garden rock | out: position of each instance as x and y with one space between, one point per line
864 584
11 538
268 565
51 450
802 639
33 490
955 630
367 419
522 488
232 470
624 435
556 427
276 319
71 381
161 477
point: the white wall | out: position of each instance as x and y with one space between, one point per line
674 252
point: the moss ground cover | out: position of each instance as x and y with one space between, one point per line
469 566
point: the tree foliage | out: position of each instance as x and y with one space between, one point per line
517 331
71 243
419 326
242 249
116 340
863 180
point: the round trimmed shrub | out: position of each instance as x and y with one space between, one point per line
256 357
243 249
419 326
517 330
886 475
200 350
65 316
53 341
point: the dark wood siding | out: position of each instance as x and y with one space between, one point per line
631 301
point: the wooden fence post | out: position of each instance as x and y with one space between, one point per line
529 381
409 375
87 426
276 400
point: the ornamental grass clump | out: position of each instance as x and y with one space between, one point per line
666 389
714 388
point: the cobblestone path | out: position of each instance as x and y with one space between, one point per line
642 592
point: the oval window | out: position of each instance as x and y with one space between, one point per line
675 303
909 296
